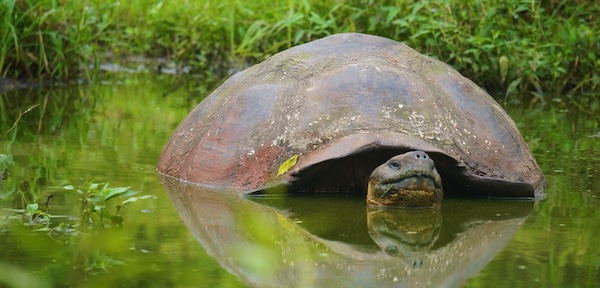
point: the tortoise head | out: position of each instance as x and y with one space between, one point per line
406 180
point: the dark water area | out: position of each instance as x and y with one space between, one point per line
187 236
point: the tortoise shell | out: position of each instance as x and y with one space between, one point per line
343 105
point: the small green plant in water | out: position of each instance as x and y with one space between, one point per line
32 215
94 201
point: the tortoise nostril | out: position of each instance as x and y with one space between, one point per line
421 155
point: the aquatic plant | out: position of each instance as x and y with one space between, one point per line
93 209
32 215
94 200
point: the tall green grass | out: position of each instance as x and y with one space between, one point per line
513 48
47 39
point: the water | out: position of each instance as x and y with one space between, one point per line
114 132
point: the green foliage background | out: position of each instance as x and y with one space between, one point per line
512 48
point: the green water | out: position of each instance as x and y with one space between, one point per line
114 131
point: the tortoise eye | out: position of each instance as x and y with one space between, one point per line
394 165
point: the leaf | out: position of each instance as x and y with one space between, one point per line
69 187
129 193
31 208
512 87
134 199
95 199
287 165
392 13
113 192
503 63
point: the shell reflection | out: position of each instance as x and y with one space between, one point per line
340 242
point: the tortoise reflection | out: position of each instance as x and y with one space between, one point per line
337 241
405 233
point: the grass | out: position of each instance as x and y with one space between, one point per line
517 49
43 39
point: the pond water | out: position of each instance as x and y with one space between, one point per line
184 236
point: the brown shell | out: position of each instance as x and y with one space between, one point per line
346 103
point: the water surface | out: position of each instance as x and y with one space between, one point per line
114 131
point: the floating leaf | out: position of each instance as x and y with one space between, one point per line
287 165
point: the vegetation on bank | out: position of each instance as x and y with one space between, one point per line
513 48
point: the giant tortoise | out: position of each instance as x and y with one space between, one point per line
352 113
